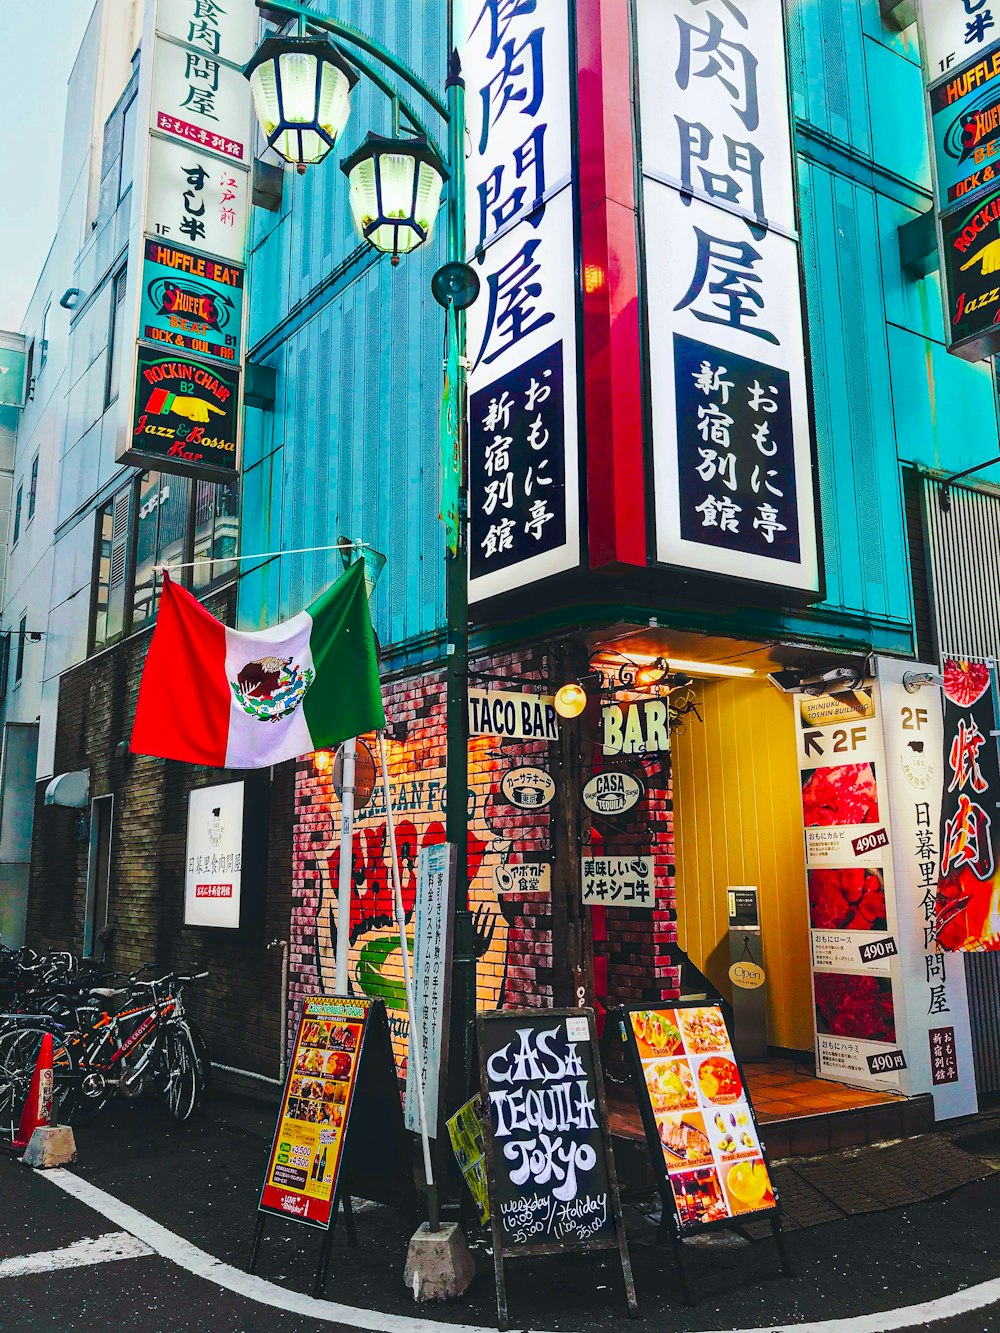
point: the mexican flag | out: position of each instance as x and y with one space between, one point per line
216 696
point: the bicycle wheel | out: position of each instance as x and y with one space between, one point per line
183 1079
18 1055
204 1063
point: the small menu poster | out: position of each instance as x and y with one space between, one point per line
697 1113
308 1144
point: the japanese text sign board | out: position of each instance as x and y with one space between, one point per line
214 856
968 891
850 890
551 1175
196 201
226 32
187 247
934 1006
303 1169
200 102
432 920
871 772
953 32
698 1117
524 519
732 438
618 881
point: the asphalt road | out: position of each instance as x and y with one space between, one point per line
202 1181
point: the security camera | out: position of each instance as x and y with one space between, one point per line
916 680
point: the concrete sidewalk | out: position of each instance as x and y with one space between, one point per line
202 1182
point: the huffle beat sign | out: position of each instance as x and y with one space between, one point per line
732 440
961 51
187 248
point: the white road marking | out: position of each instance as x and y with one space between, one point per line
196 1261
99 1250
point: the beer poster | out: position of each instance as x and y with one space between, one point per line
696 1110
306 1154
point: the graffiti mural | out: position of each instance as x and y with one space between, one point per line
510 910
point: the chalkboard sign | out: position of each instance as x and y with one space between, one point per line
552 1182
340 1127
699 1120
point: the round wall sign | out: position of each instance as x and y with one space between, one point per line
612 793
748 976
527 788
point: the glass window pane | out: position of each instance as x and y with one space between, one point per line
128 147
103 577
216 527
163 506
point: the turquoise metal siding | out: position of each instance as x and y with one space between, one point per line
886 391
351 446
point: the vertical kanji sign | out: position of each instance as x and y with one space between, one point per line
732 441
432 925
188 243
968 892
524 521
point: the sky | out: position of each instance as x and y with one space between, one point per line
35 63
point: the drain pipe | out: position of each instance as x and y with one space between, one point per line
283 1047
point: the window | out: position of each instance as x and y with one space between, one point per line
17 515
33 488
164 501
112 562
116 336
98 874
22 634
216 527
158 519
127 160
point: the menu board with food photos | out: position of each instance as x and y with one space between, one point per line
309 1142
696 1110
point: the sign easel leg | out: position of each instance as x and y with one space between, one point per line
258 1233
502 1322
779 1240
352 1235
678 1248
319 1281
633 1307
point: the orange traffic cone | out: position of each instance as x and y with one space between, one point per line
38 1106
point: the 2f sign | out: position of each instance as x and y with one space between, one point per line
636 728
841 741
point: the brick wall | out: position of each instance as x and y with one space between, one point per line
635 948
238 1005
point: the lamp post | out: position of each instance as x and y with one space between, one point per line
395 191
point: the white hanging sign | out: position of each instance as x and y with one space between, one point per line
732 439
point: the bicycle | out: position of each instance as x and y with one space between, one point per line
145 1043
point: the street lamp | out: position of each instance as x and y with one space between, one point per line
302 95
395 192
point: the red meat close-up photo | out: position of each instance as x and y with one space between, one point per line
855 1006
847 899
841 796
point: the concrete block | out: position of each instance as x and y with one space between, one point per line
439 1266
50 1145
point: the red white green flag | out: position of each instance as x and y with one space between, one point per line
227 699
